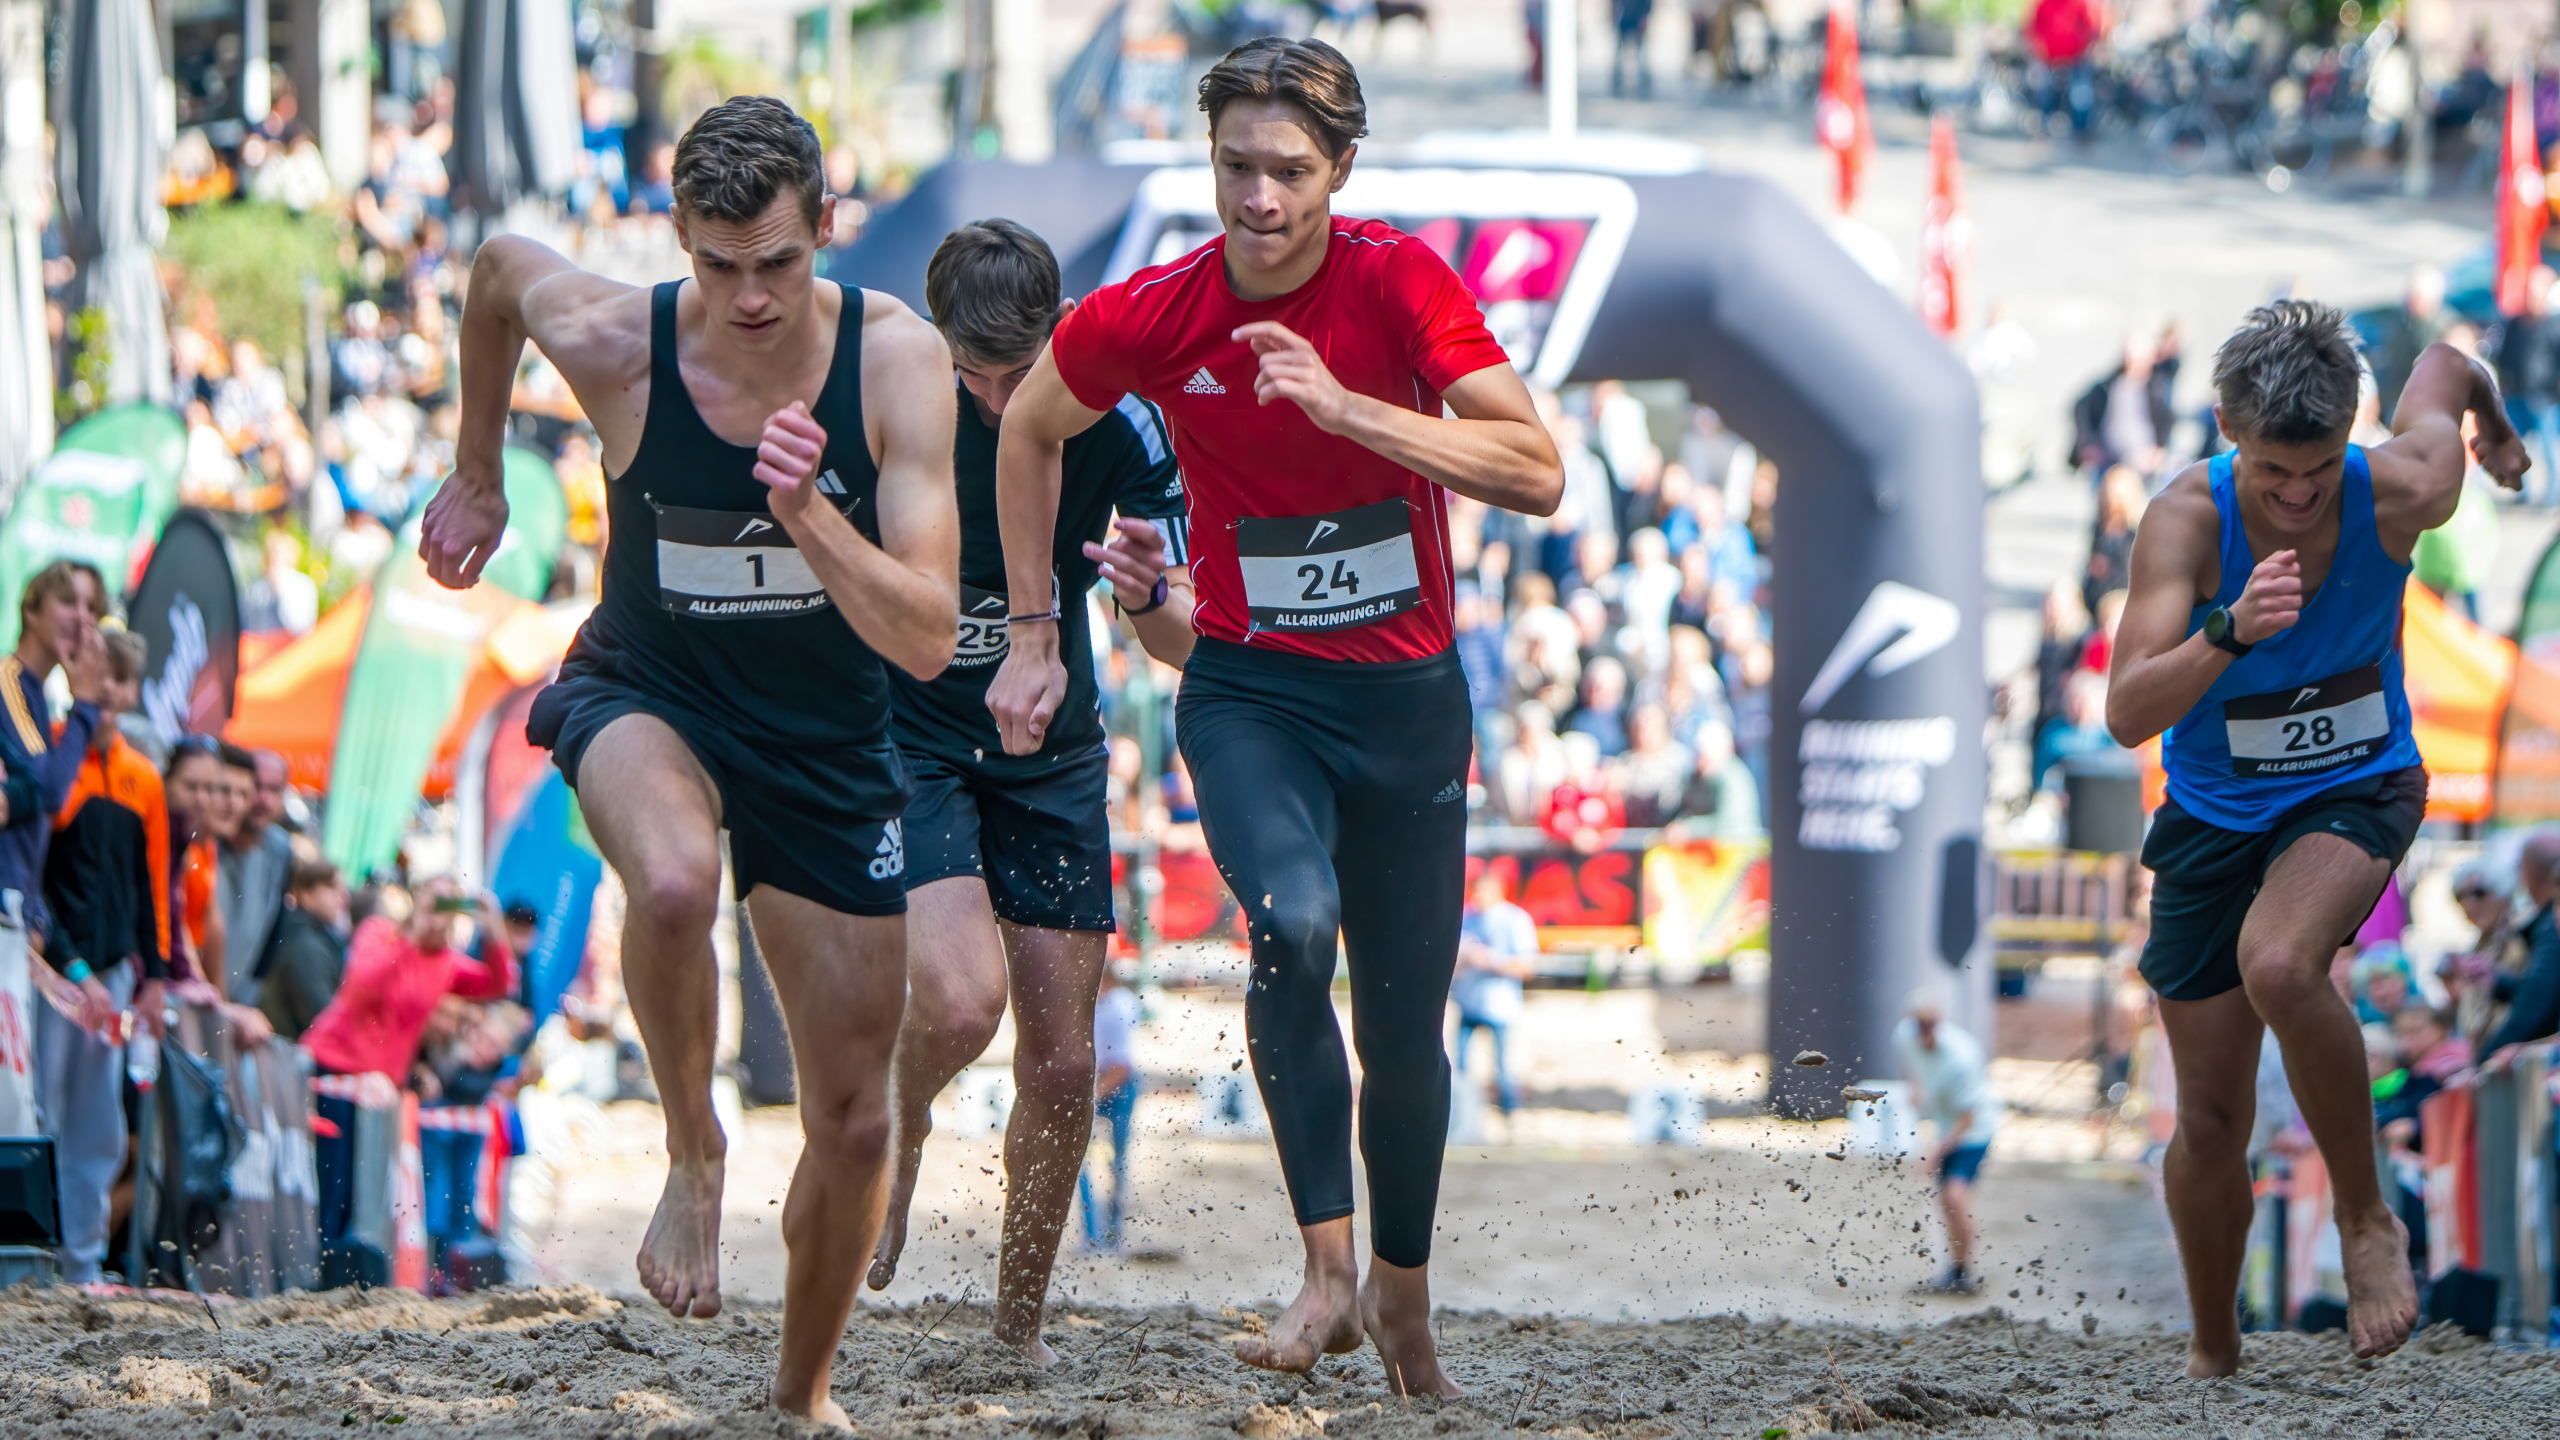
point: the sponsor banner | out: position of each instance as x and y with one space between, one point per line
1706 899
102 497
409 674
549 861
1538 248
188 609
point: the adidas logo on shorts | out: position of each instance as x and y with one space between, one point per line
1203 383
892 852
1453 791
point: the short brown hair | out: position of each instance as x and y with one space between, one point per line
742 153
59 579
310 875
1306 73
2289 375
127 654
992 286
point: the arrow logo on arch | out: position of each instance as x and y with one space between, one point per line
1896 626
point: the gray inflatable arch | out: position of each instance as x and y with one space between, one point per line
1877 777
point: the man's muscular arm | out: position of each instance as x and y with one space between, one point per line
1496 450
595 330
902 596
2418 473
2159 670
1031 452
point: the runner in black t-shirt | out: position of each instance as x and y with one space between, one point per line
1009 856
783 537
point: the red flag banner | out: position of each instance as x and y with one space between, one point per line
2521 214
1946 234
1840 112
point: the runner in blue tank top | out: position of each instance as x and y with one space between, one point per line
2262 638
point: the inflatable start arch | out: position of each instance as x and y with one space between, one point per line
1876 767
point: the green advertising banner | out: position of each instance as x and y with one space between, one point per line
419 645
101 496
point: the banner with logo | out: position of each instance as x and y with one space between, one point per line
419 646
188 609
101 496
2527 789
548 861
1706 899
1578 901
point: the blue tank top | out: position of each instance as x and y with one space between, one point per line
2310 708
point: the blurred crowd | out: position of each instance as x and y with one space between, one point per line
163 880
1617 651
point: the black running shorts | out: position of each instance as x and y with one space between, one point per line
822 826
2204 878
1041 842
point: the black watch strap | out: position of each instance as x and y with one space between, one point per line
2220 635
1155 601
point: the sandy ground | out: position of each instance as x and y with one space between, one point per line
567 1361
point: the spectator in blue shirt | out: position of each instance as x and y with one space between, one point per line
1497 949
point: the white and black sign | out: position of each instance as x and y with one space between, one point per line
732 565
2308 728
984 635
1329 572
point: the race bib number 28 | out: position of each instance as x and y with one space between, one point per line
1329 572
2310 728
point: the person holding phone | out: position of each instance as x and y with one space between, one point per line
397 970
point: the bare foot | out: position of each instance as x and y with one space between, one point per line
893 1236
1323 1320
1030 1347
1395 1305
2212 1362
823 1411
2382 1296
680 1256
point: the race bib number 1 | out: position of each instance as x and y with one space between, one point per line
1329 572
732 565
2310 728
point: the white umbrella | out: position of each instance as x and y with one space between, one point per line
109 152
26 357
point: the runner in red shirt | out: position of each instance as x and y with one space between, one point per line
1303 363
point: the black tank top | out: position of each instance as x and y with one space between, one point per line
707 604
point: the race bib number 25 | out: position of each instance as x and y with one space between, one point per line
1329 572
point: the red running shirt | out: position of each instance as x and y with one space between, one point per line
1302 542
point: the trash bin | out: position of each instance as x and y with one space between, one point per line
2102 798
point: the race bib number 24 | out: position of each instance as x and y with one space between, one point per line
1329 572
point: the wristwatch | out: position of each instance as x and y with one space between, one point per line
1155 600
2220 628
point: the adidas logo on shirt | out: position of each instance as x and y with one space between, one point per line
828 484
1203 383
892 852
1449 793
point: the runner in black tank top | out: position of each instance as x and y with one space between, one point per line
1024 840
712 621
783 531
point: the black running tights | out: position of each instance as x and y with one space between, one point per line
1333 796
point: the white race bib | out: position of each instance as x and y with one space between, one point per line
732 565
2310 728
984 635
1329 572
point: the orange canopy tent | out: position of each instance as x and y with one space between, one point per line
2458 677
291 700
